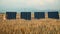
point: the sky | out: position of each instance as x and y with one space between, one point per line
29 5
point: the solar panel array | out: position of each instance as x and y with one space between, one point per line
26 15
54 15
39 15
11 15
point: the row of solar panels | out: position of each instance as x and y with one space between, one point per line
27 15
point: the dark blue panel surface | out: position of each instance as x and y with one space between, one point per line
11 15
39 15
26 15
54 15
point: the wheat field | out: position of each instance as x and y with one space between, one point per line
33 26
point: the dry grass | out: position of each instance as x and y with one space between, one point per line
34 26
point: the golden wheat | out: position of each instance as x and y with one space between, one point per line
34 26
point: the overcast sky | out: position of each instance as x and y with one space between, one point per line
19 5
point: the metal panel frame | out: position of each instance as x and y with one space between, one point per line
54 15
39 15
11 15
26 15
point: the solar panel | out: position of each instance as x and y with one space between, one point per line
11 15
54 15
26 15
39 15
